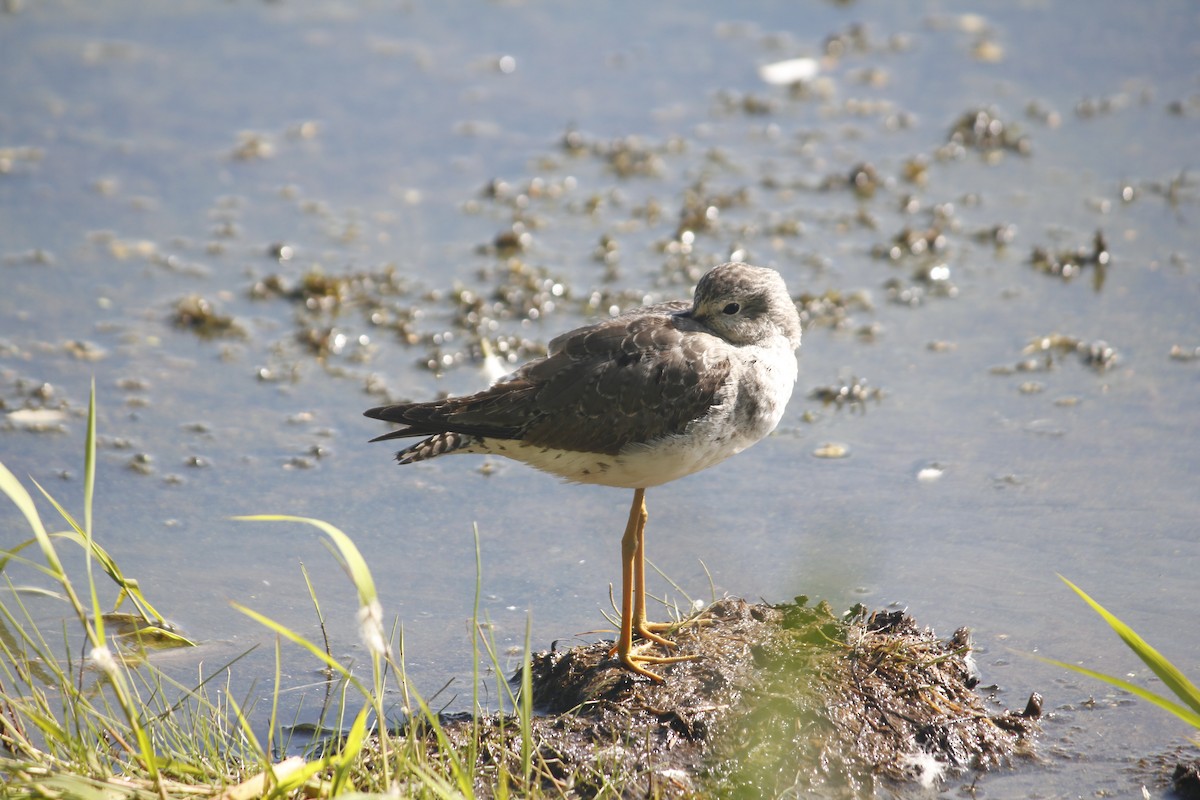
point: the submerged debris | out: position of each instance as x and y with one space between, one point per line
36 420
1068 264
1044 353
1180 353
998 235
777 699
253 146
853 393
323 341
983 130
909 242
1099 354
789 71
627 157
511 241
831 450
84 350
281 252
832 308
200 315
864 180
13 157
930 281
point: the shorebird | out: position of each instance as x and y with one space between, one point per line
635 401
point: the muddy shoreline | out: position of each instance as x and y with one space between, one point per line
777 699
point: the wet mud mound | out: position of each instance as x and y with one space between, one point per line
778 700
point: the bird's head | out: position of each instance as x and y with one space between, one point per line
746 305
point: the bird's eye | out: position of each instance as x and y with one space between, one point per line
732 309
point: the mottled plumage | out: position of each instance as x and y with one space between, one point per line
616 390
634 401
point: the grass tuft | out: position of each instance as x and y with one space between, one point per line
1188 706
111 726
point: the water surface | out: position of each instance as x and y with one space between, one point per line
149 155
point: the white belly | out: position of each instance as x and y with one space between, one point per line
638 466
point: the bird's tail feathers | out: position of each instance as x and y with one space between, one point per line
439 444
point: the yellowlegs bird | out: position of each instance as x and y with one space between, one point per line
634 401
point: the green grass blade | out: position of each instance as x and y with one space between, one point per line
355 564
1167 672
352 747
247 729
89 462
24 502
296 638
1184 713
129 586
38 591
525 714
458 770
476 635
8 555
439 786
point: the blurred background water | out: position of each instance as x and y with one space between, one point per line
352 195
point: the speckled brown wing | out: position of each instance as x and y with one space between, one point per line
590 392
594 392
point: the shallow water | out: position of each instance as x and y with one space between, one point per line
150 155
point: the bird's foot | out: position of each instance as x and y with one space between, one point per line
633 659
649 631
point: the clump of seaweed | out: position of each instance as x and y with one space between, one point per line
788 697
200 315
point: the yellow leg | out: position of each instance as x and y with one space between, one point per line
641 627
633 597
